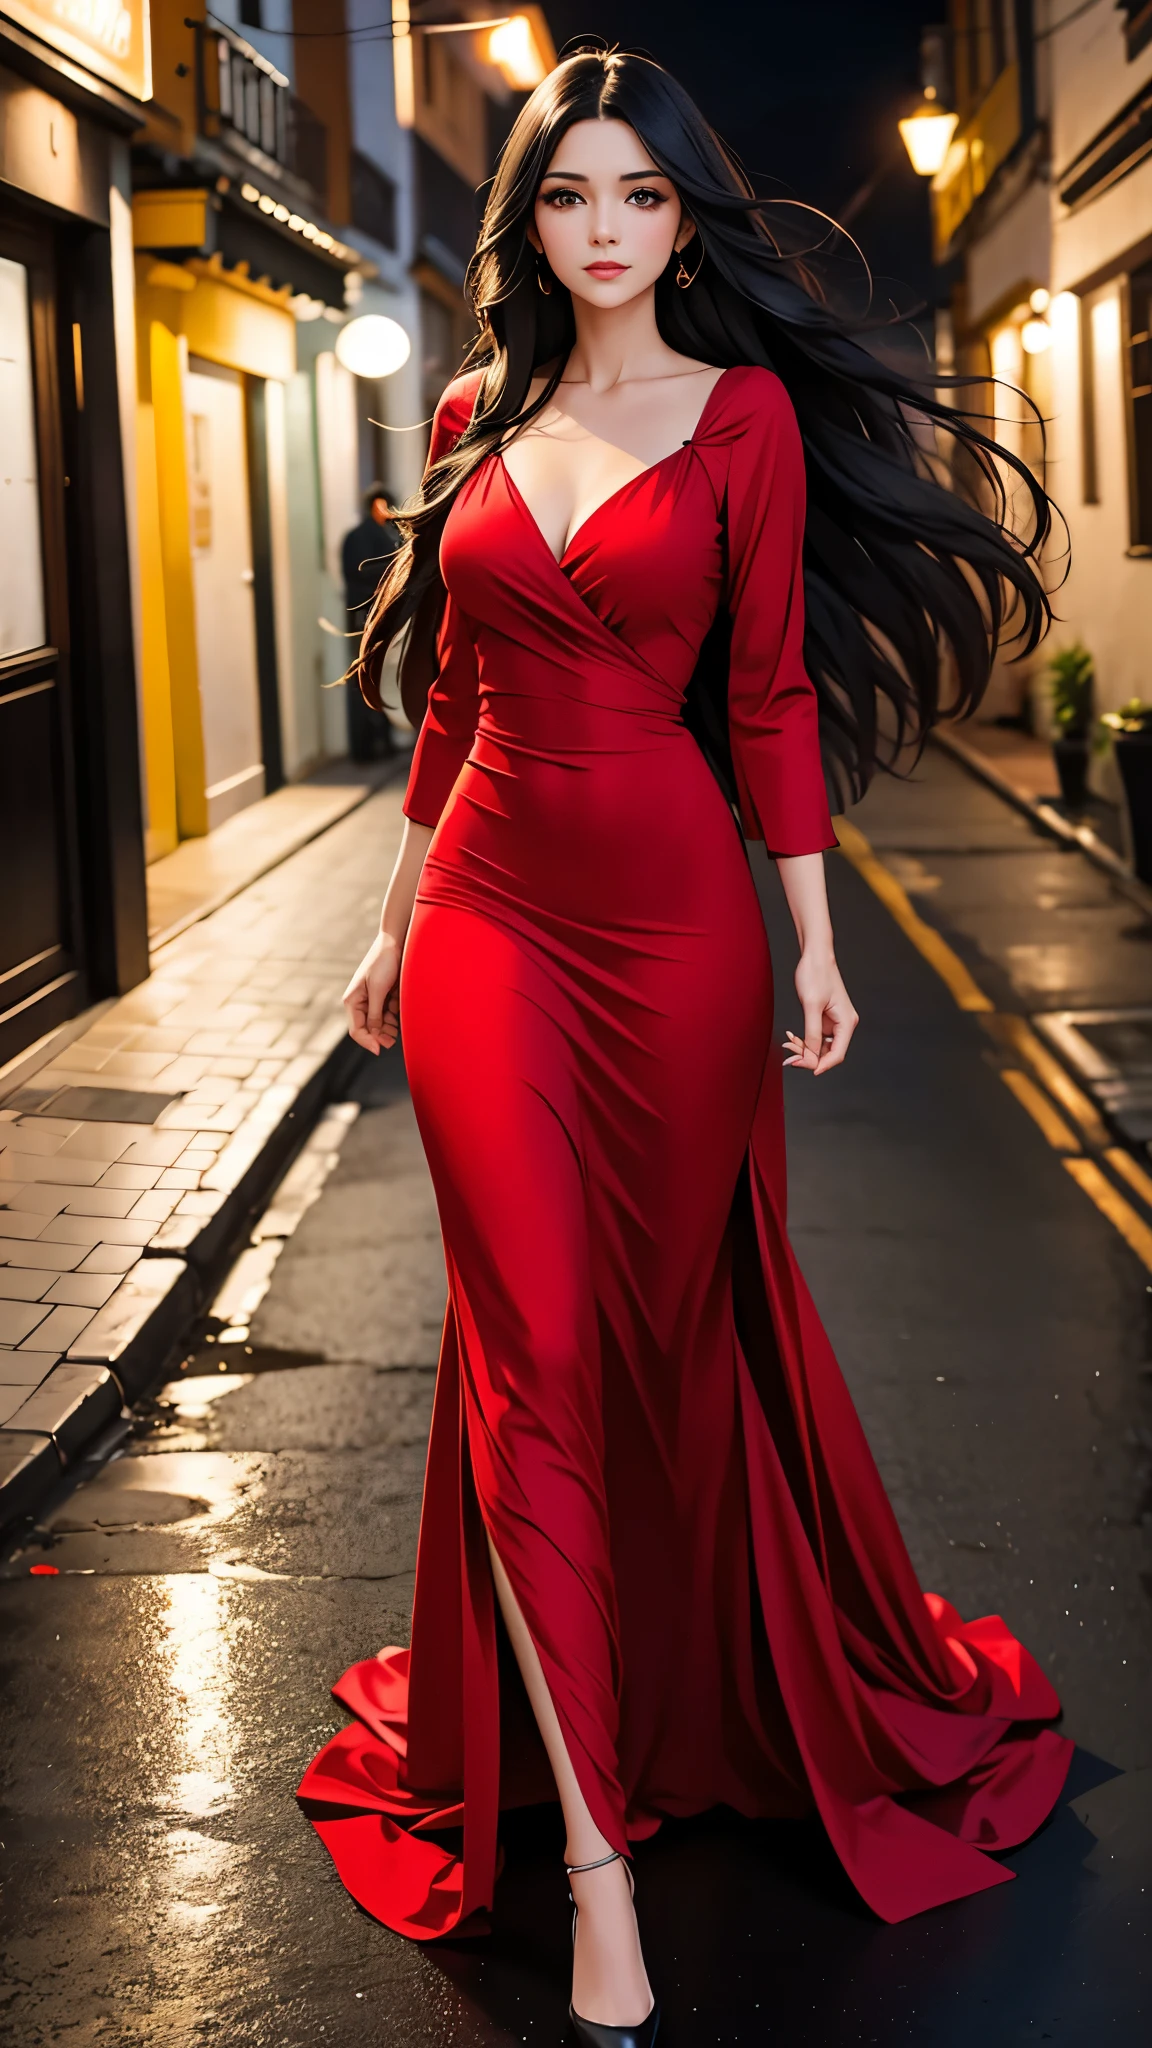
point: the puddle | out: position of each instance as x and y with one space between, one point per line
194 1397
237 1360
126 1507
153 1491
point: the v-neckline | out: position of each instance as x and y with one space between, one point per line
649 469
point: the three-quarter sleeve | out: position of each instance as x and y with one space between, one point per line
444 741
772 710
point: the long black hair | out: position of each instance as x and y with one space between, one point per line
915 560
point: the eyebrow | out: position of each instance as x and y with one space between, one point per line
626 177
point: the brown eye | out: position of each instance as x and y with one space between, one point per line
646 198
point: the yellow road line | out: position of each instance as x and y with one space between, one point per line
1110 1202
1023 1040
1015 1032
1040 1110
924 937
1123 1163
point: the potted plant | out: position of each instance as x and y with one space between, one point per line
1072 684
1130 730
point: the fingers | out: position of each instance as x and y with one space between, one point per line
373 1014
799 1055
815 1027
836 1031
833 1054
390 1025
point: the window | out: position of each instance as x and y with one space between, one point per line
251 13
1089 466
983 35
1139 354
373 201
21 570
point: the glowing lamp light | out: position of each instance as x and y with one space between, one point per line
1040 300
373 346
513 48
926 135
1035 337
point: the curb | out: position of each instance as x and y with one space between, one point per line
1048 819
127 1348
137 1158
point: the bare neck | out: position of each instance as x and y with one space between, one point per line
619 345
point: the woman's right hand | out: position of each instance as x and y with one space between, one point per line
372 997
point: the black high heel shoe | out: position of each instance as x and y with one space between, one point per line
593 2033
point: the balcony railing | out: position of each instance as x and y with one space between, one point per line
249 106
975 155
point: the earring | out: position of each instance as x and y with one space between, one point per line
682 277
545 288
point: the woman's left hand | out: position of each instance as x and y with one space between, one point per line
829 1019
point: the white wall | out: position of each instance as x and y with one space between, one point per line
378 134
375 129
336 442
1102 230
1014 254
1090 77
1084 80
1107 600
288 688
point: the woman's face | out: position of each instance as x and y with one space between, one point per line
606 220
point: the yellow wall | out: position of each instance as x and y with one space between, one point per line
171 113
184 308
156 687
176 567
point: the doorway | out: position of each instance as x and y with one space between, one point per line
223 586
41 970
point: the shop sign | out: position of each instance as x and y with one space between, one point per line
109 37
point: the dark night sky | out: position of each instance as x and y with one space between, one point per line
807 94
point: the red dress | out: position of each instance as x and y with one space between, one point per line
635 1394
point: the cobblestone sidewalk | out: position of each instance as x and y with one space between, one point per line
130 1166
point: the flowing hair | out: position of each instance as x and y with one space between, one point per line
914 562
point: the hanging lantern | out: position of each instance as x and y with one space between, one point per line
927 134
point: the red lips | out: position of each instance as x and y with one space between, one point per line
606 270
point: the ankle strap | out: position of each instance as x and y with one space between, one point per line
573 1869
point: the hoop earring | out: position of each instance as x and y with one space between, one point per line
545 288
682 277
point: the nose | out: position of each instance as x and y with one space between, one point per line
604 230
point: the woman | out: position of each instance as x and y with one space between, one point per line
642 1451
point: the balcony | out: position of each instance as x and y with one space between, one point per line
976 154
249 107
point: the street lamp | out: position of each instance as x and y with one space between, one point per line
1036 333
514 48
927 133
372 346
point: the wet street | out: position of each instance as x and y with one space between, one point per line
165 1687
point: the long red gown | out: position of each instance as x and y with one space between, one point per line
635 1395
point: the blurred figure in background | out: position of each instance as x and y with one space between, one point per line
364 558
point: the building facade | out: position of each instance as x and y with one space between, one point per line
1042 217
195 207
73 923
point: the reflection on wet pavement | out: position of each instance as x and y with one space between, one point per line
194 1663
1046 929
